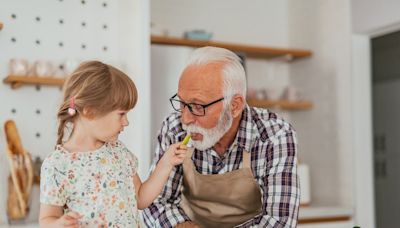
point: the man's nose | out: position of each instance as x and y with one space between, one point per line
187 116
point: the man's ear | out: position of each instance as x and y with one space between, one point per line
237 105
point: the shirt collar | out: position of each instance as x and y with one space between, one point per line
247 131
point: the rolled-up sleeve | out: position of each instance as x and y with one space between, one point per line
165 210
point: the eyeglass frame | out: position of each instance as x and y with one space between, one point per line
189 105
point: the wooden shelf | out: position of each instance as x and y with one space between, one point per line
16 81
250 50
281 104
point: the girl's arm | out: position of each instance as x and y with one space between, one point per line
148 191
53 216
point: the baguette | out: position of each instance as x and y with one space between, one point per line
21 174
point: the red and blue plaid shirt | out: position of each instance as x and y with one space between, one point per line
273 146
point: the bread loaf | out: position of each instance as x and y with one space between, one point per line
20 180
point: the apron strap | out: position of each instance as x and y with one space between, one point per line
189 152
246 159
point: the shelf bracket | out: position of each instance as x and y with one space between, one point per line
16 85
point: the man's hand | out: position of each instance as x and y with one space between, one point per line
187 225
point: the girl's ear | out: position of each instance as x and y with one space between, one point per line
237 105
88 112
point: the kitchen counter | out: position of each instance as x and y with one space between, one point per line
307 214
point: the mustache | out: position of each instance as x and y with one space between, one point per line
192 128
210 135
223 119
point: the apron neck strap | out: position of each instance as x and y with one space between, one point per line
246 159
189 152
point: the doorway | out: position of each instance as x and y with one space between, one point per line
385 52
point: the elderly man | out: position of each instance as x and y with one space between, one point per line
242 171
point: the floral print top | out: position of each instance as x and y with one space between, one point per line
96 184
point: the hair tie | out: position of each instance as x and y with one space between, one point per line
72 109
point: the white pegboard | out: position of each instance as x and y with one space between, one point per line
54 31
58 31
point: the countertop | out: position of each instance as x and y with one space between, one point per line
307 214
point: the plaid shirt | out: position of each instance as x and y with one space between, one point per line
273 146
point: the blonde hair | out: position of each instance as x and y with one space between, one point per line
99 87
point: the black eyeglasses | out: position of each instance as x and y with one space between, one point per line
195 109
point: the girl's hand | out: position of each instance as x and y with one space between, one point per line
175 155
70 220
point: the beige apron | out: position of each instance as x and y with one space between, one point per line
220 200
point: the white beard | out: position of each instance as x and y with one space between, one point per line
213 135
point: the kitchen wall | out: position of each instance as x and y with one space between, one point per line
324 132
60 31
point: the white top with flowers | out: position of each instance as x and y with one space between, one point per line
96 184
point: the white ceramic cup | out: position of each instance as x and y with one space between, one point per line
18 67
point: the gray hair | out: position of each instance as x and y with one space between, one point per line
234 76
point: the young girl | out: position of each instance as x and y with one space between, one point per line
90 179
